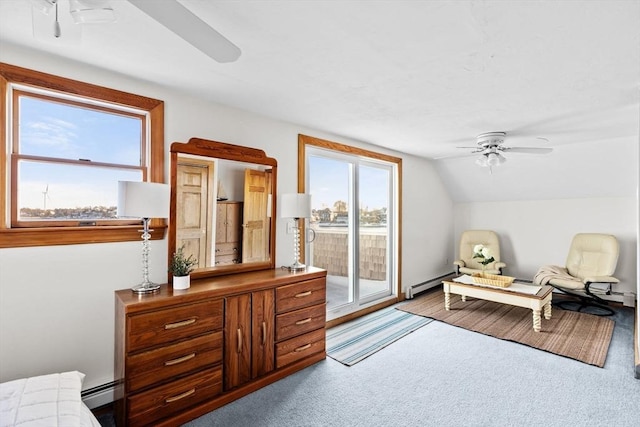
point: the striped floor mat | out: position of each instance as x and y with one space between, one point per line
358 339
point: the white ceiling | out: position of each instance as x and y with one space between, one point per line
421 77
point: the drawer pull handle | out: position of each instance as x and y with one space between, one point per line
303 348
180 396
180 324
303 294
302 322
239 340
179 359
264 333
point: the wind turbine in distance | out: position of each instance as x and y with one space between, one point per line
45 196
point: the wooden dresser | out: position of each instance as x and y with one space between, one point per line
181 354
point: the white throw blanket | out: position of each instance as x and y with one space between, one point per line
549 272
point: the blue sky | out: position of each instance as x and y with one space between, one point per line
329 180
54 130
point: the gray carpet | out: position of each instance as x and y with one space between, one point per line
441 375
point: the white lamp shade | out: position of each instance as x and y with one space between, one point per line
295 205
143 199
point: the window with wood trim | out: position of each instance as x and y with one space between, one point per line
66 146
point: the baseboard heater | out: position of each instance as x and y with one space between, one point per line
421 287
99 396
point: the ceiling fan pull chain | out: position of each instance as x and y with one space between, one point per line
56 25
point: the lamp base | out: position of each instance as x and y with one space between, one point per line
146 288
296 267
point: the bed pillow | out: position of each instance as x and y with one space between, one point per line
48 400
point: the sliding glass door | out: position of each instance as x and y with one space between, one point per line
373 230
352 212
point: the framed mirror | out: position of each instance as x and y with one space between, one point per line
223 206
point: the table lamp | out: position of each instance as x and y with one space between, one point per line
296 206
144 200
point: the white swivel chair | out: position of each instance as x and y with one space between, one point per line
466 264
591 263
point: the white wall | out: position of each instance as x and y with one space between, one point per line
427 207
538 232
56 303
638 274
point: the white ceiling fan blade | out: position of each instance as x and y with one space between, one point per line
194 30
455 156
528 150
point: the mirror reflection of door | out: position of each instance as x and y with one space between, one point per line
255 239
194 193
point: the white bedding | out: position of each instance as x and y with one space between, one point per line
45 401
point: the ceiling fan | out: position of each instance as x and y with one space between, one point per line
192 29
169 13
490 146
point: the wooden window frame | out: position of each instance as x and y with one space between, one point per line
17 154
48 236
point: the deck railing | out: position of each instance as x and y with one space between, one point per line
330 251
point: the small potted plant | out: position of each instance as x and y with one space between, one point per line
181 266
485 255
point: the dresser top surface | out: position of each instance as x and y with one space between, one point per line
214 287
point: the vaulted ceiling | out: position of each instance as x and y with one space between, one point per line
421 77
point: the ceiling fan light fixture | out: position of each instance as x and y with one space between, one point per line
482 161
495 159
91 11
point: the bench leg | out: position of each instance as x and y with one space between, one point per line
537 321
547 311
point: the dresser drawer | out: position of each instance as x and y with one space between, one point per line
165 363
227 259
300 347
300 321
227 248
148 407
299 295
163 326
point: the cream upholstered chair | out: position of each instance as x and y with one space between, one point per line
588 272
466 264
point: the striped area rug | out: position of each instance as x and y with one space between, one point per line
358 339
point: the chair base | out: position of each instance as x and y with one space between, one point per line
585 300
579 306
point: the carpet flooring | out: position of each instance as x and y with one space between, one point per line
351 342
579 336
